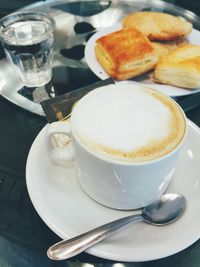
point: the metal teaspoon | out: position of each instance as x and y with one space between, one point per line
168 208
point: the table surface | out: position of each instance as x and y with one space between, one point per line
19 221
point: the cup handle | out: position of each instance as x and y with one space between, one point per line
59 143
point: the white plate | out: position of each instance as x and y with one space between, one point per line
68 211
90 57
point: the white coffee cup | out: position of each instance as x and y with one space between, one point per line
126 166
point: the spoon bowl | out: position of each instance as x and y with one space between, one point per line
165 210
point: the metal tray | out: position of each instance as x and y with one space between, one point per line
76 21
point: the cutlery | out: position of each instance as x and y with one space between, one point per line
165 210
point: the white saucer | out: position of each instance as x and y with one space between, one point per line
90 57
68 211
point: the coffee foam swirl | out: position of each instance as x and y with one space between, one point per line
128 123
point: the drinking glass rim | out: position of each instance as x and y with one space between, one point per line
23 16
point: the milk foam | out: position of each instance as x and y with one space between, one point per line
122 120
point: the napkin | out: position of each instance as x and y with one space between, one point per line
59 108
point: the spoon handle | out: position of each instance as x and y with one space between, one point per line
73 246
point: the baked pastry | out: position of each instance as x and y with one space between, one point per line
164 48
158 26
125 53
180 68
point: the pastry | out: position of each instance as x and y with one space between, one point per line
158 26
163 48
180 68
125 53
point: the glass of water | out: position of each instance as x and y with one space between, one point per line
28 38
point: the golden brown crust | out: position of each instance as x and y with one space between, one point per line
158 26
125 53
180 68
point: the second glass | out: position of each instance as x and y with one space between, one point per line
28 42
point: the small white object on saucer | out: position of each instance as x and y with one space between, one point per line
68 211
193 38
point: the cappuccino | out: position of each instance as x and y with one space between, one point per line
128 123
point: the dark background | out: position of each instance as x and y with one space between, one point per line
7 6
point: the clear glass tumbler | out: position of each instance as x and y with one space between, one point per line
27 38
